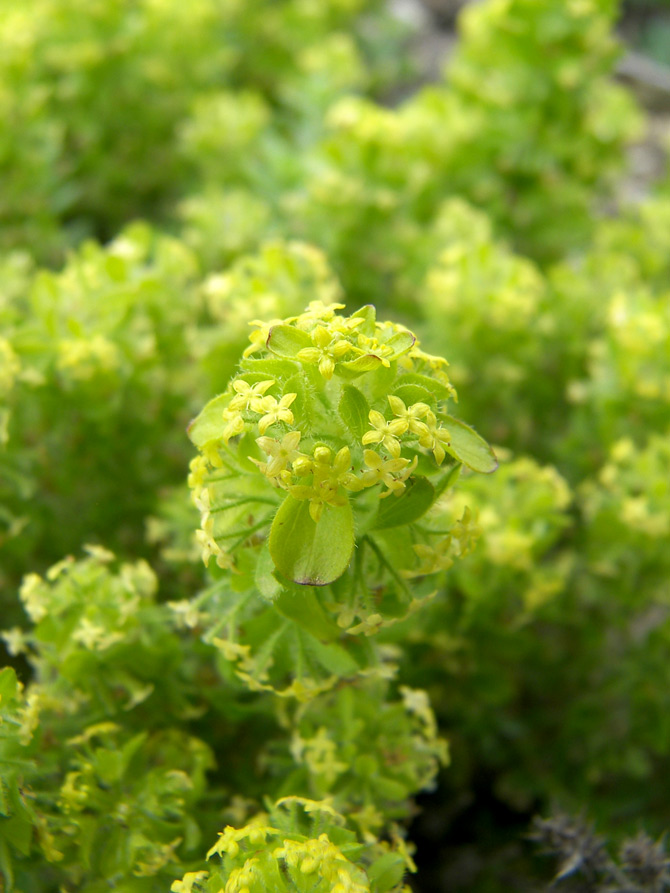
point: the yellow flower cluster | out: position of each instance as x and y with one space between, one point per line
200 497
407 420
252 398
295 458
457 543
328 349
256 832
322 858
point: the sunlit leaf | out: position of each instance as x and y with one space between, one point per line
310 553
469 447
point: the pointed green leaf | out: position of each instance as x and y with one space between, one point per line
414 393
208 426
308 553
286 341
301 605
333 657
269 367
387 872
400 343
436 388
266 582
354 411
413 502
354 368
369 314
469 447
6 867
9 685
303 407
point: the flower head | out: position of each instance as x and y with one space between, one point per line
260 335
327 350
274 411
434 437
385 433
247 395
329 476
386 471
410 417
282 452
234 424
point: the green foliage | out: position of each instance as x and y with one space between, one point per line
100 363
103 769
366 753
537 146
114 799
527 68
493 310
93 384
95 96
300 845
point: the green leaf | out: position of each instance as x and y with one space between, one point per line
369 314
448 480
468 447
333 657
354 368
413 502
266 582
303 407
6 867
208 426
269 367
438 390
391 789
354 410
400 343
17 828
414 393
387 872
308 553
301 605
286 341
9 686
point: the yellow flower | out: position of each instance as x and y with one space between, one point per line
434 436
259 337
411 416
211 455
326 352
325 469
274 411
210 547
235 424
247 395
185 885
375 348
319 312
197 472
329 476
282 451
433 558
383 471
345 326
385 432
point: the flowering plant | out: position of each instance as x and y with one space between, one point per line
323 464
